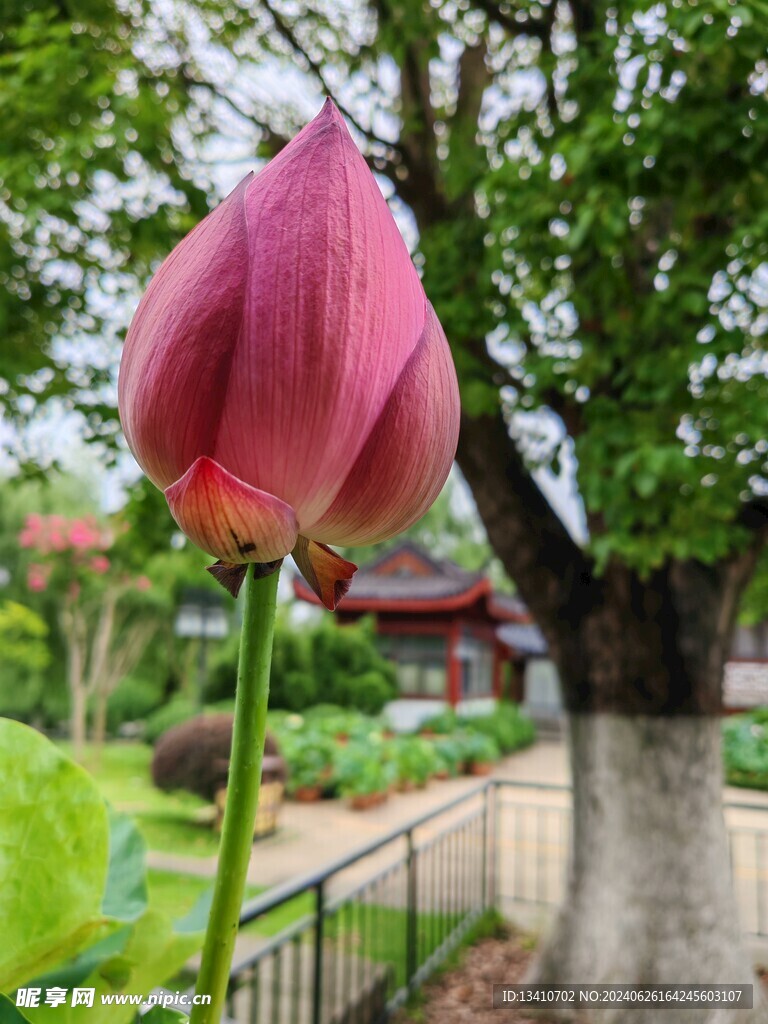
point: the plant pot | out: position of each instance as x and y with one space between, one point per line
480 768
442 775
405 786
308 794
364 801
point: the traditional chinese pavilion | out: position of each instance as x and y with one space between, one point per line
453 638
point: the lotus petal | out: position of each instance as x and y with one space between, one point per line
178 353
329 575
229 518
333 311
408 454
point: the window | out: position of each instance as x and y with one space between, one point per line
476 658
420 662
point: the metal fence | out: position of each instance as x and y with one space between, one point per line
366 942
377 922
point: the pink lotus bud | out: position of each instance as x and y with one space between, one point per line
285 380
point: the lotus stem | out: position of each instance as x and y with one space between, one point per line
242 793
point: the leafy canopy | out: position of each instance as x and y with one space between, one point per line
586 179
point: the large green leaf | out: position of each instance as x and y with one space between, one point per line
9 1014
126 895
152 954
53 855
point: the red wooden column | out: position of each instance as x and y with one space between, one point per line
453 665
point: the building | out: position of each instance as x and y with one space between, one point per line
455 640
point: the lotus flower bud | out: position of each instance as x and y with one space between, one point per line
285 380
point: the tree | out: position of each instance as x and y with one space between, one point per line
587 186
103 639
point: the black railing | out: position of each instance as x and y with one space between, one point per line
367 943
382 918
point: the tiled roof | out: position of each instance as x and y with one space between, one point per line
407 578
524 637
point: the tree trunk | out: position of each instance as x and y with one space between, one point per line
649 897
77 718
99 727
641 662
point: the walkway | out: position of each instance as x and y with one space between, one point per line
311 835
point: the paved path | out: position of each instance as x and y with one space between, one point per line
312 835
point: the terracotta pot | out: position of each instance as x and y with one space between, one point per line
308 794
442 776
364 801
480 768
405 786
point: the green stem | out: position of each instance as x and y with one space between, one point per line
242 793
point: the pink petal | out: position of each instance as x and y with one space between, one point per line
334 309
407 456
229 518
329 575
178 352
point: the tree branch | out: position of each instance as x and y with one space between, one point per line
551 570
287 33
537 29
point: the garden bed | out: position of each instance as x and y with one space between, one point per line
462 993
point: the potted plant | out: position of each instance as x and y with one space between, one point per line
415 760
479 753
310 759
365 774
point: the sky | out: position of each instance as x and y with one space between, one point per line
55 434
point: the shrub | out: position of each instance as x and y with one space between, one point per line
443 723
415 758
363 768
508 726
195 755
449 754
476 747
299 690
310 760
176 711
334 721
133 701
745 749
368 692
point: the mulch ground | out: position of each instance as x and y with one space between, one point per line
462 995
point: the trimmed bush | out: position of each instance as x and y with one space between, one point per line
195 756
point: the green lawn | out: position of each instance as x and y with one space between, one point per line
170 822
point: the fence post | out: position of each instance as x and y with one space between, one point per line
485 887
317 987
411 921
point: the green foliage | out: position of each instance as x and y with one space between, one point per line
476 747
55 844
84 121
341 665
508 726
310 758
176 711
416 759
81 916
745 749
624 243
22 638
133 701
364 768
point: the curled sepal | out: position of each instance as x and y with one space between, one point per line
230 519
329 575
232 574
